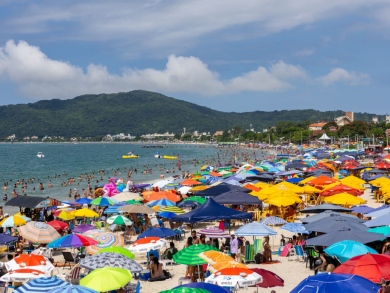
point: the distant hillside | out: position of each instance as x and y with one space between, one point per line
138 112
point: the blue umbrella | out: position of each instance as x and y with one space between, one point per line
40 285
328 282
69 288
294 180
344 250
273 221
5 238
295 228
209 287
158 232
380 221
167 215
362 210
84 200
162 202
187 203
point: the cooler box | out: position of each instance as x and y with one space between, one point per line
144 275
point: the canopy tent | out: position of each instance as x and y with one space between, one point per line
221 188
324 207
255 229
324 137
32 202
329 213
211 211
237 197
296 165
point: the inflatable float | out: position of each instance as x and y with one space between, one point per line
168 157
130 157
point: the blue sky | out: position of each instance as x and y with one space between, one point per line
227 55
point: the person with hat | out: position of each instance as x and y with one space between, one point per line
233 246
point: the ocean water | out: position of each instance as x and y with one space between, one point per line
20 161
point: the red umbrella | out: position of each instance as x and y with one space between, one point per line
340 188
382 166
269 279
373 267
58 225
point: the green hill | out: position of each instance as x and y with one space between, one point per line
138 112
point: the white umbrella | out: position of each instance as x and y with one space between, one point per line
45 267
22 275
235 277
147 244
160 184
125 196
184 189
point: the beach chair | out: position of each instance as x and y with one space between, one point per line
98 225
257 246
310 256
3 287
299 251
68 257
249 250
73 276
292 253
132 288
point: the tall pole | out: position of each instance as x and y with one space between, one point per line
301 137
348 141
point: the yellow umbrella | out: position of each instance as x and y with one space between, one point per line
262 185
14 221
283 201
199 188
288 186
304 181
226 264
344 199
353 179
310 189
86 213
64 215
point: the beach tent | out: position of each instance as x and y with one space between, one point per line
255 229
221 188
211 211
324 137
328 214
325 207
237 197
32 202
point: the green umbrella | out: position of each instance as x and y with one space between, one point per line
198 199
119 220
189 255
117 249
186 290
133 202
106 279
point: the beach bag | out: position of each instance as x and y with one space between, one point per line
258 258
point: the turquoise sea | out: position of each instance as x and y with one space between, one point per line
19 161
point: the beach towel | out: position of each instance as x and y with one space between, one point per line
249 250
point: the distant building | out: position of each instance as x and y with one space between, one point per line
387 119
218 133
122 136
344 120
157 135
317 126
375 119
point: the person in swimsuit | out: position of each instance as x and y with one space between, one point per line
156 269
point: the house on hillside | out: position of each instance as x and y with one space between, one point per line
218 133
344 120
317 127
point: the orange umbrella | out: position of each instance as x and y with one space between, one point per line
215 174
190 182
226 264
213 257
322 180
162 195
252 187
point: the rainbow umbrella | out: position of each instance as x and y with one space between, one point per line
73 240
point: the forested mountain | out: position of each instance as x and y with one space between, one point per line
138 112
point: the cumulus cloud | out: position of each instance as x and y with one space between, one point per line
342 75
39 77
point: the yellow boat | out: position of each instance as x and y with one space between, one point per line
130 157
168 157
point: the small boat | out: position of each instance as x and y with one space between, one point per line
170 158
40 155
130 157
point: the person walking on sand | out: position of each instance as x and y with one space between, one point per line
233 246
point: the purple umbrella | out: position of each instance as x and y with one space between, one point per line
83 228
141 185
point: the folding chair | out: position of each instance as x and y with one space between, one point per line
299 251
3 287
74 275
249 250
68 257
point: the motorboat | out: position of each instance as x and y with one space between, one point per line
40 155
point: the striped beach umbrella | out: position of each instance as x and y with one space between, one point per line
14 221
173 209
212 232
295 228
186 290
190 254
106 239
38 232
69 288
103 202
112 260
162 202
119 220
73 240
273 221
40 285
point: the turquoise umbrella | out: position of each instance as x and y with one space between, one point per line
344 250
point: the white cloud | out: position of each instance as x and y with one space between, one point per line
40 77
342 75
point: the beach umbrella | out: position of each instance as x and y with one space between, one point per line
160 232
344 250
373 267
14 221
40 285
133 202
190 182
232 277
186 290
147 244
256 229
5 238
362 209
328 282
119 220
380 221
29 261
112 260
344 199
273 221
282 201
22 275
106 239
190 254
321 180
83 228
168 215
295 228
70 288
201 285
119 250
64 215
385 230
73 240
137 209
325 207
198 199
184 189
331 224
125 196
213 257
172 209
341 188
212 232
162 202
86 213
162 195
344 234
84 200
58 225
38 232
381 211
106 279
270 279
187 204
225 265
327 214
103 202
